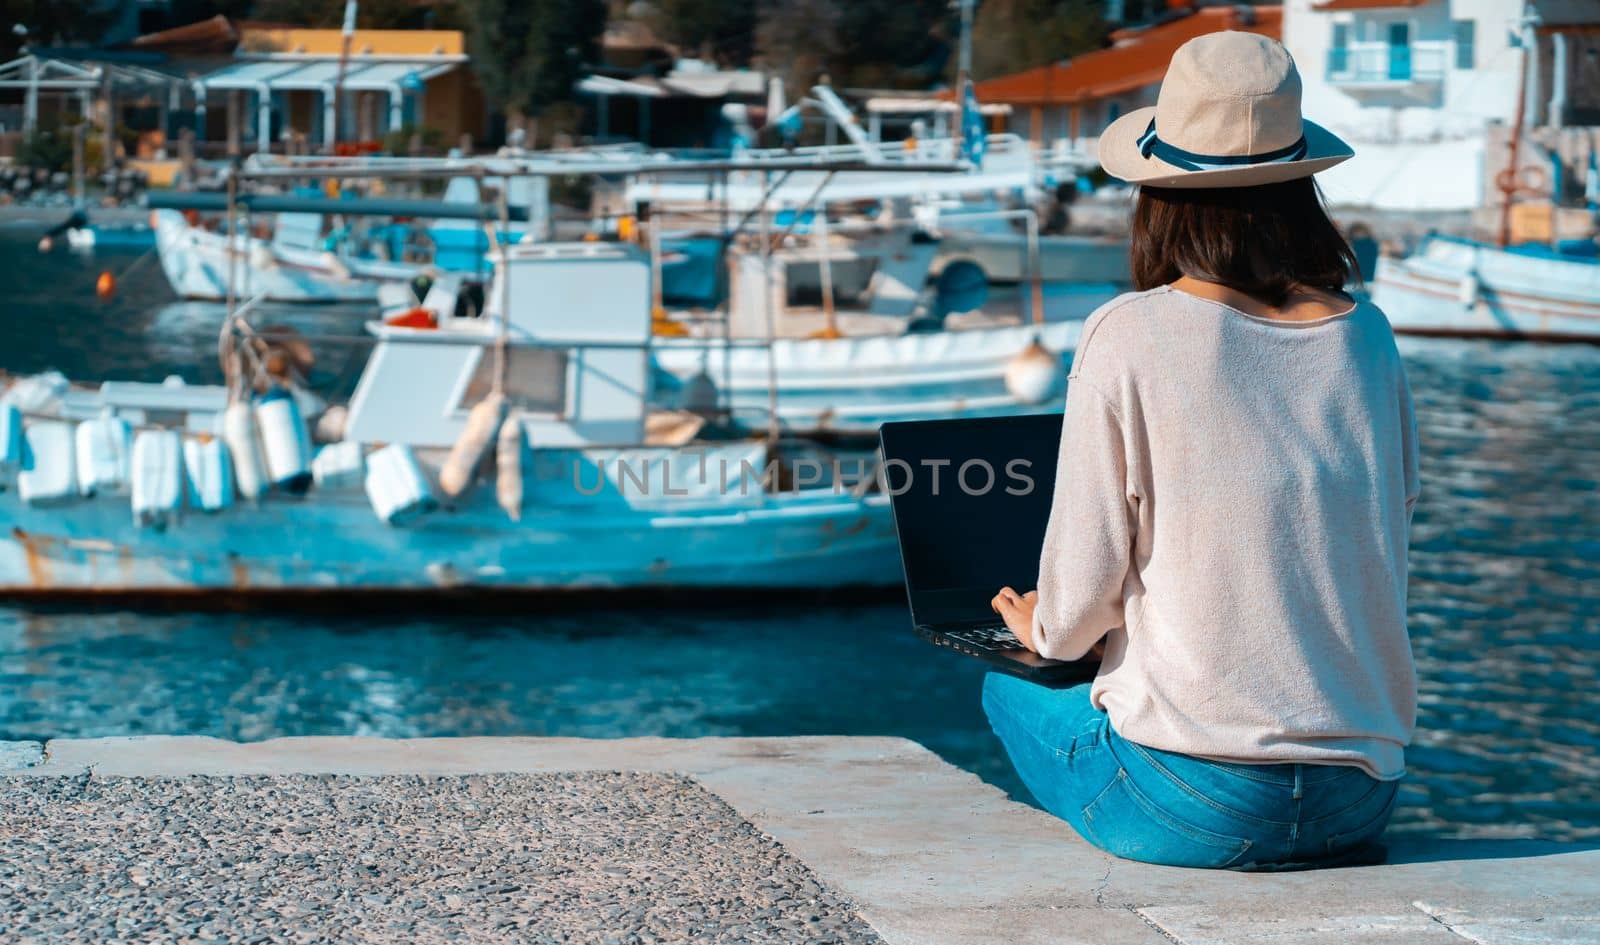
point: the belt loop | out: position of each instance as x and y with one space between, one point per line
1299 781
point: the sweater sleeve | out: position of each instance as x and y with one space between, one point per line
1087 543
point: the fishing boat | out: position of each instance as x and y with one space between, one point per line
516 448
310 257
1513 288
1460 287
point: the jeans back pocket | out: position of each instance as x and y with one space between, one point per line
1124 821
1368 826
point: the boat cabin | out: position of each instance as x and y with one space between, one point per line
575 323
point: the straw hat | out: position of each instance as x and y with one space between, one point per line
1227 115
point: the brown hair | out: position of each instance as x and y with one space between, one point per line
1265 241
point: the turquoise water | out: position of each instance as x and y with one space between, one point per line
1505 612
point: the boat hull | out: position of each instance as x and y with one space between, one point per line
334 544
854 385
196 261
1457 288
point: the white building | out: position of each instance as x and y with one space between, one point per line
1416 86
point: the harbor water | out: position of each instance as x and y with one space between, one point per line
1505 605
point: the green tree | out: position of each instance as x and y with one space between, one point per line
798 40
329 14
529 53
893 43
874 43
50 23
723 31
1013 35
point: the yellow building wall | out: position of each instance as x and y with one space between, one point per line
363 42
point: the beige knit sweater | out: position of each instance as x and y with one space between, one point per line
1231 514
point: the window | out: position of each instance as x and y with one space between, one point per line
1339 52
536 379
1464 33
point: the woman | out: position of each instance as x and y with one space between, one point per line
1237 473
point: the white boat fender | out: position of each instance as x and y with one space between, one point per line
103 444
36 394
10 444
340 465
48 475
285 441
508 460
244 450
1035 374
330 426
462 464
396 485
1468 289
209 473
157 478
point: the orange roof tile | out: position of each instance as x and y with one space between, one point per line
1138 59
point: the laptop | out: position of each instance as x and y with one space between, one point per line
971 500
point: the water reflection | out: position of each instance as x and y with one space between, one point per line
1505 605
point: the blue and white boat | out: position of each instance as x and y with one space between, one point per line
308 259
1458 287
589 486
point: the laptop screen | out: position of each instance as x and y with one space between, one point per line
971 501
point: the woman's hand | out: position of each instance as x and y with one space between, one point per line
1017 611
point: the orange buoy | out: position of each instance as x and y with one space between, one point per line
105 286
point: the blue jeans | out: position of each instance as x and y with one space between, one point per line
1164 807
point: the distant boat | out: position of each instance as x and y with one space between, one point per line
304 262
1458 287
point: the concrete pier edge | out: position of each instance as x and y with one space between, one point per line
931 854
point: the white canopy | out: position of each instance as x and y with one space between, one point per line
321 74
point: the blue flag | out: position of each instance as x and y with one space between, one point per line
974 140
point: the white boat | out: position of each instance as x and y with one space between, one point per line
895 352
610 497
284 269
298 265
1462 288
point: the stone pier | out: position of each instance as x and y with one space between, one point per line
841 840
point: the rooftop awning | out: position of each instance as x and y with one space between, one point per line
63 75
279 75
247 76
899 105
708 84
606 85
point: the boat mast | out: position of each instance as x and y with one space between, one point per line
338 80
963 70
1506 180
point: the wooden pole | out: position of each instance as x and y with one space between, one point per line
1507 179
338 80
79 132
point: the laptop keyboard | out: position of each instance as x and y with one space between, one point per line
993 639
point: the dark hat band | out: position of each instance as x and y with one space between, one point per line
1151 145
